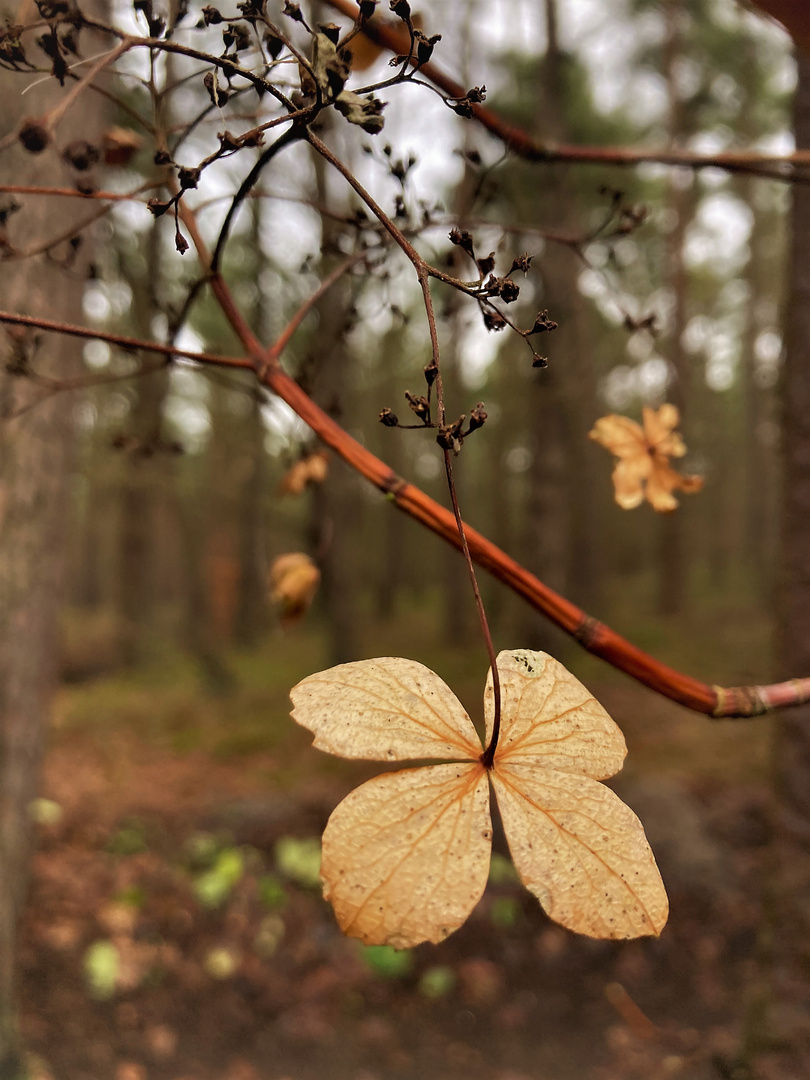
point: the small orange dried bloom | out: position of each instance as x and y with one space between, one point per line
311 469
293 581
643 469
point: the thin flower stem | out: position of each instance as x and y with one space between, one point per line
422 272
488 755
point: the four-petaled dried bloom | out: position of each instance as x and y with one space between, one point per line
643 469
406 855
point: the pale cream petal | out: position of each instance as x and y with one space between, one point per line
660 486
619 434
581 851
549 720
388 709
659 423
627 480
672 446
406 855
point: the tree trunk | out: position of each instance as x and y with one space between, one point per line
554 395
392 571
672 558
251 608
335 503
35 459
789 1016
251 605
143 465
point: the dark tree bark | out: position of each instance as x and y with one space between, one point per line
335 502
251 607
561 530
789 1016
143 470
672 557
393 568
35 462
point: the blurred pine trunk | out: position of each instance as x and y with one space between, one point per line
788 1028
251 608
36 458
560 538
336 505
144 465
672 554
392 571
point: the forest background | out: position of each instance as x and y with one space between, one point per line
174 926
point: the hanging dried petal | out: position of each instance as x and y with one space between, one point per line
388 709
406 855
550 720
581 851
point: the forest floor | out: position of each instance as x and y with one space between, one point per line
176 929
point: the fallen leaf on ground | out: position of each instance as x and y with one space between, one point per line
406 855
643 469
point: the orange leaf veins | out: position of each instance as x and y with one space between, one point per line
643 469
406 855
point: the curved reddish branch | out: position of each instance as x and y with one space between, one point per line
393 36
594 636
